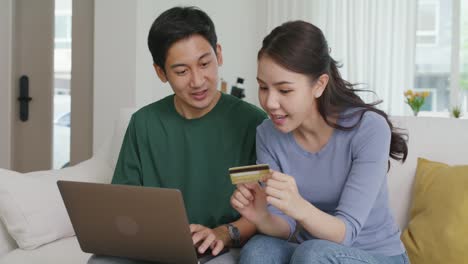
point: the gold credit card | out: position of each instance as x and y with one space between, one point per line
251 173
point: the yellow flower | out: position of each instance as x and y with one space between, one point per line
426 94
408 93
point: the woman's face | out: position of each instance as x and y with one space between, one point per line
288 97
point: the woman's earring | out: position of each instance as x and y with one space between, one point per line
318 94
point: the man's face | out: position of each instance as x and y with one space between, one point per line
192 71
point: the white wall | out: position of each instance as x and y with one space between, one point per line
123 64
114 63
236 24
6 11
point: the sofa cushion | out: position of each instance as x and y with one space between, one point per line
437 229
31 206
65 250
7 243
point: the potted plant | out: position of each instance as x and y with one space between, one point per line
415 100
456 111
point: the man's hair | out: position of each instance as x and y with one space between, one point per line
175 24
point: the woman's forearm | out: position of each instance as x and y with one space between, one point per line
322 225
275 226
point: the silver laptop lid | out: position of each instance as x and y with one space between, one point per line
129 221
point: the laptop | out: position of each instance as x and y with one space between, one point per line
136 222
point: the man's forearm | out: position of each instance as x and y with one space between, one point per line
246 230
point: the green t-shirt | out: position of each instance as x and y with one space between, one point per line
163 149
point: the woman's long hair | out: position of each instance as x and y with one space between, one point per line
302 48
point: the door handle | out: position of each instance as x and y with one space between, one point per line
24 98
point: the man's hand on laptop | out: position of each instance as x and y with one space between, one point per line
205 238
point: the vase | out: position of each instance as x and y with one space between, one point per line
415 112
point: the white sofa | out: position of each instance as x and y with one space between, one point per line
438 139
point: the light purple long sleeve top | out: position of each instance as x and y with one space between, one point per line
347 178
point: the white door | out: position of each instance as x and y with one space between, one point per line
41 118
33 45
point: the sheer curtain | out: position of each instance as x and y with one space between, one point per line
373 39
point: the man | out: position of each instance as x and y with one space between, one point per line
188 140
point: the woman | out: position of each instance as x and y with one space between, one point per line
329 154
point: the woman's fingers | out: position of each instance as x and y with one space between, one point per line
236 201
275 175
273 192
245 190
278 203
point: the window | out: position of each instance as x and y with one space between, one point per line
464 56
62 76
442 55
62 30
428 23
430 104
